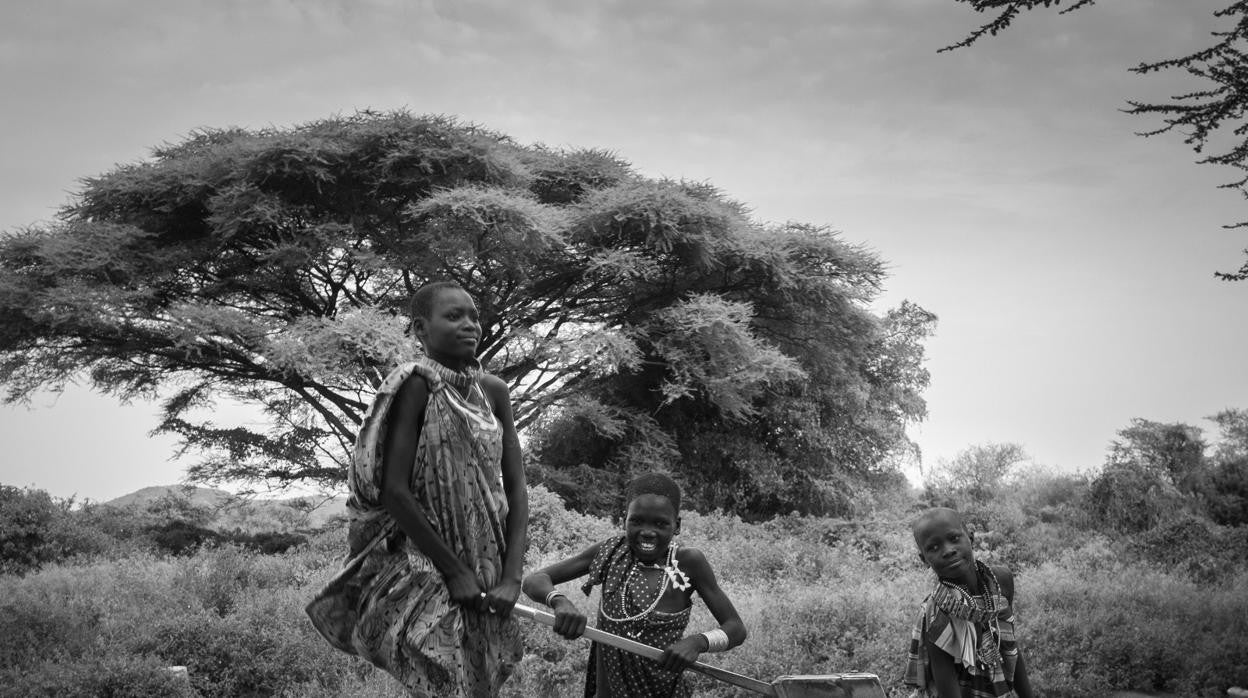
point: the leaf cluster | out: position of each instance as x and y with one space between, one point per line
272 268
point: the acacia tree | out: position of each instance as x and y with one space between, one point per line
273 268
977 472
1215 105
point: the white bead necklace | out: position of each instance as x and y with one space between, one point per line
623 594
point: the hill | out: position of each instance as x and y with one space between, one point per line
223 510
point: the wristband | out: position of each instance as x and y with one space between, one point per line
716 640
551 597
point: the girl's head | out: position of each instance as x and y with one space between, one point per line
653 515
445 320
945 544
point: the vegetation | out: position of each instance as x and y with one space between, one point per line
1102 592
1210 114
636 320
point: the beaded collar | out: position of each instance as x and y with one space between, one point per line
460 379
981 610
958 602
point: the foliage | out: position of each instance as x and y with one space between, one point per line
1226 489
112 677
815 446
1173 452
975 474
35 529
1227 495
1153 471
1202 550
1131 500
1093 624
818 595
645 317
1216 104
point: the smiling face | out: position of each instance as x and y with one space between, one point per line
649 526
452 330
945 546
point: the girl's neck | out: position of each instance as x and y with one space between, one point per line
453 363
969 581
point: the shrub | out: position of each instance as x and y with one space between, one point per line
1130 500
109 677
36 528
1091 624
1189 544
817 596
1227 492
180 537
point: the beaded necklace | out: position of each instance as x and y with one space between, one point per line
460 379
957 600
672 575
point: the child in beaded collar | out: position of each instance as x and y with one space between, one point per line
647 588
963 644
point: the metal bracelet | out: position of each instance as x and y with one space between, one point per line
716 640
551 596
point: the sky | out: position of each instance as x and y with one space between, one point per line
1070 262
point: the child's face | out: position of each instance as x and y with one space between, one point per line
452 330
945 546
649 525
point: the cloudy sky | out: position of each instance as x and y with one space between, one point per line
1070 262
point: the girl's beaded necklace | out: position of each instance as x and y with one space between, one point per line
672 575
980 609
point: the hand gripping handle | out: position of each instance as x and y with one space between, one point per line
649 652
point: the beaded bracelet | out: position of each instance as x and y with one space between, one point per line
551 596
716 640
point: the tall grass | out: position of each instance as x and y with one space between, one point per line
818 596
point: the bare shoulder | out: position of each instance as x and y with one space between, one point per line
414 389
494 385
692 559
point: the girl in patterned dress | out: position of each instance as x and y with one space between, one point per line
647 591
439 513
963 644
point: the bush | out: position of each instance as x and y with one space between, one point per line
36 528
110 677
1207 552
1092 624
1130 500
817 595
1227 492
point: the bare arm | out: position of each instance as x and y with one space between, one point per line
944 673
398 458
686 650
1021 683
569 621
503 596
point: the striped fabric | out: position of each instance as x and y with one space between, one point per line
958 637
389 604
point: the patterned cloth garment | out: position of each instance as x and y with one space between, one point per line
389 604
977 631
628 607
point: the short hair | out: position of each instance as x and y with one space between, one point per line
939 513
422 300
653 483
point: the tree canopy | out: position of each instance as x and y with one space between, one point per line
639 322
1155 469
1213 108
